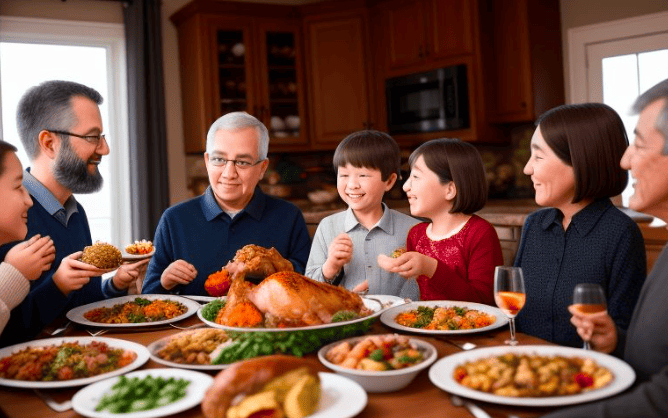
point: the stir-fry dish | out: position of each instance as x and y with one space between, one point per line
192 347
532 375
64 362
136 311
376 353
444 318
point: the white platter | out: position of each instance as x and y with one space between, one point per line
140 350
340 397
136 257
158 345
388 316
85 400
77 314
375 306
441 375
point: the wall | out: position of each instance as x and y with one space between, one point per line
576 13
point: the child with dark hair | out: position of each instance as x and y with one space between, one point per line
346 245
28 259
454 255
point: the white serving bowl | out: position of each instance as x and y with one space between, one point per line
385 381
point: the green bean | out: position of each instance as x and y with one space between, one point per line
133 395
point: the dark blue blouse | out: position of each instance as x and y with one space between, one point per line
601 245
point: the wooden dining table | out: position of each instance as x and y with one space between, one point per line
420 399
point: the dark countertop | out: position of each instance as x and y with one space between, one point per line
496 212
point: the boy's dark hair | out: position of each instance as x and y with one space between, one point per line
591 138
369 149
458 161
5 147
49 106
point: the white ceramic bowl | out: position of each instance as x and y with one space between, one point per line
386 381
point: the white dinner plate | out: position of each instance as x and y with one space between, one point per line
388 316
136 257
441 375
340 397
77 314
158 345
140 350
85 400
374 305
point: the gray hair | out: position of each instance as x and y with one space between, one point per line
658 92
49 106
239 120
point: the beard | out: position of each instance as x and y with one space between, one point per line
72 172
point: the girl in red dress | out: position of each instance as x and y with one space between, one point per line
454 255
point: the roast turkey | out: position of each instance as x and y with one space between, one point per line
290 299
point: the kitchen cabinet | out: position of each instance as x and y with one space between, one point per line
521 50
418 32
339 74
233 59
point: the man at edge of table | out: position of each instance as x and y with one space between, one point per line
198 237
60 127
644 345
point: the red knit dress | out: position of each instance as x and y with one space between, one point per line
466 262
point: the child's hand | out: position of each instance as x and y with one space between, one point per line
128 273
32 257
410 264
340 253
179 272
73 274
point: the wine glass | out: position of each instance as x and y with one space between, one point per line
589 298
509 295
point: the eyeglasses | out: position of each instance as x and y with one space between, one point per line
239 164
93 139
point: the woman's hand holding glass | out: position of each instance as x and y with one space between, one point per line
597 328
588 299
509 295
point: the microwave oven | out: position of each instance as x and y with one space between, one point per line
431 101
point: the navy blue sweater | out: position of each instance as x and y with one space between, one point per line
601 245
199 232
45 302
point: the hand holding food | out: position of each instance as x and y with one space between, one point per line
409 264
284 384
178 272
598 328
142 247
73 274
32 257
102 255
340 253
128 273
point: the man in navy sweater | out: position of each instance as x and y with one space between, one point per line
198 237
60 127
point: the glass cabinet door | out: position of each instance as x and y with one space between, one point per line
283 110
232 83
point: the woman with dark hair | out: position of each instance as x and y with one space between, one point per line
582 237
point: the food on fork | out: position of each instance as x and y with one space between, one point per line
271 386
142 247
102 255
530 375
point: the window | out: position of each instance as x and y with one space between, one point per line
91 54
614 62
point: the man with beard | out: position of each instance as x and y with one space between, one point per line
60 126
